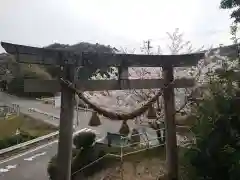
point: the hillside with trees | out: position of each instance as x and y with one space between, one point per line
78 49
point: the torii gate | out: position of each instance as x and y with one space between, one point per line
69 60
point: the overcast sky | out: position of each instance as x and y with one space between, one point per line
120 23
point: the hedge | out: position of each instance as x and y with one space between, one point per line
16 85
15 139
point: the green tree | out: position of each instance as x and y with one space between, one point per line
16 85
215 153
232 4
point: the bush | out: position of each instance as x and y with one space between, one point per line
52 168
85 157
52 165
16 85
4 143
216 154
84 140
15 139
86 152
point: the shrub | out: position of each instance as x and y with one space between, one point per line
4 143
86 152
15 139
52 168
215 155
84 139
52 165
16 85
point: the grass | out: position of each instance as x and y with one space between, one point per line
26 124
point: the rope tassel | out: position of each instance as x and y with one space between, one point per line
135 137
95 120
152 114
124 130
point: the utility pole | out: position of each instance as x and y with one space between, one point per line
147 47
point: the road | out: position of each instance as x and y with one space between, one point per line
84 117
33 164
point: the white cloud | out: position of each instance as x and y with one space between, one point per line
119 23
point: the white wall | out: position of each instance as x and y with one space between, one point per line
57 101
